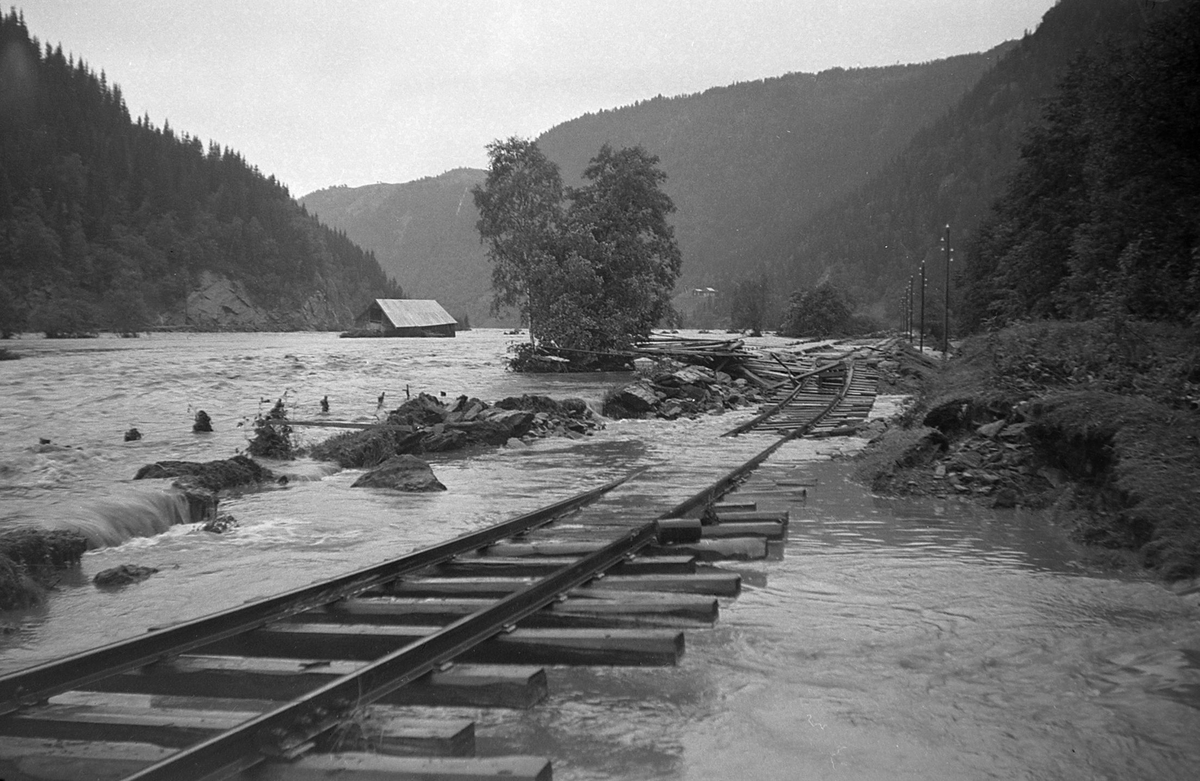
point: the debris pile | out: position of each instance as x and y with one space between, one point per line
424 424
956 454
687 391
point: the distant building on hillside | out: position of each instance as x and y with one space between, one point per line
404 317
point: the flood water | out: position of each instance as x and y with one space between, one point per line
894 639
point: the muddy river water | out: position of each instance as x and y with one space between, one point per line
892 640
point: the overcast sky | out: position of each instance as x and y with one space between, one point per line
324 93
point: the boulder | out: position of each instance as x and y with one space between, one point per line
222 523
421 410
203 423
209 475
694 375
1014 431
671 410
633 399
365 449
514 422
401 473
444 441
990 430
116 577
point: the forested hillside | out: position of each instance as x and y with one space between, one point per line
423 234
870 241
1101 216
747 162
111 224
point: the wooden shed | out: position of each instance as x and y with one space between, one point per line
405 317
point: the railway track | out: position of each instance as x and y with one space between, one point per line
307 684
834 396
282 682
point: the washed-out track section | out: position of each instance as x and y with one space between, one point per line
307 684
827 389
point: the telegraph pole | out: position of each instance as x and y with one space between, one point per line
922 331
946 324
908 311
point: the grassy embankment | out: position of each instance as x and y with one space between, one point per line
1096 422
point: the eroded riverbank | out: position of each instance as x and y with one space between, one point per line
1096 428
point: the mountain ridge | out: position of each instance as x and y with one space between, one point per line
740 159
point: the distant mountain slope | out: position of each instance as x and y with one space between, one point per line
108 223
748 161
872 239
743 162
423 234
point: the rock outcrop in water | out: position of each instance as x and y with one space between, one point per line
424 424
236 472
221 523
203 423
401 473
123 575
684 392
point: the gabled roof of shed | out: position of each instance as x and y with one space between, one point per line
414 313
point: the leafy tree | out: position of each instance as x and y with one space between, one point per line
820 312
521 222
589 268
624 212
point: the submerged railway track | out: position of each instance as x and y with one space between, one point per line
305 684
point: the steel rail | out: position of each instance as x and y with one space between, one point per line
293 729
730 480
775 408
38 683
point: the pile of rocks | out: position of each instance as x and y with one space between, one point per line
681 392
996 461
424 424
469 421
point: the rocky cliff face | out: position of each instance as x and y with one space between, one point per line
222 304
